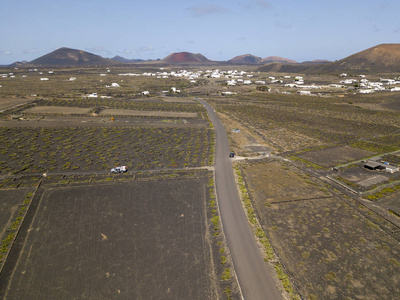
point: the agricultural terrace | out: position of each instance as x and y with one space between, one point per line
303 123
329 244
148 105
37 150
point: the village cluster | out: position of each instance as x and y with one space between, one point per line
359 83
235 77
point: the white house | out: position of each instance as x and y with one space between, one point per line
44 79
145 93
291 85
94 95
304 93
366 91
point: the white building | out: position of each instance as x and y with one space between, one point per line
366 91
304 93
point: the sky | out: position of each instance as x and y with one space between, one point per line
300 30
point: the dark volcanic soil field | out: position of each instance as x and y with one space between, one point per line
332 247
10 200
135 240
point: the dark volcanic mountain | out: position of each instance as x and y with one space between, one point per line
185 57
125 60
384 58
277 59
71 57
316 61
246 59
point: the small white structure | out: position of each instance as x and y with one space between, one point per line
304 93
395 89
44 79
391 168
72 79
145 93
246 81
348 81
93 95
366 91
114 84
291 85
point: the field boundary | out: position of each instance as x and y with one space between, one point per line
20 234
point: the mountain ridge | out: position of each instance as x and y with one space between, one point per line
380 58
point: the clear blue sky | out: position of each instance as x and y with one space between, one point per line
220 30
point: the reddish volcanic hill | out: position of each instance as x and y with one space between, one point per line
381 58
384 58
185 57
246 59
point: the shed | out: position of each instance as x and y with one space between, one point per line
373 165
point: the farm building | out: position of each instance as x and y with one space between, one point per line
374 165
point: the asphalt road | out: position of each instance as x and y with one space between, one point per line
255 279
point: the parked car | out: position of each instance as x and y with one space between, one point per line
121 169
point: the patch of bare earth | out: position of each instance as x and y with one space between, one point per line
57 110
243 141
9 102
141 113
